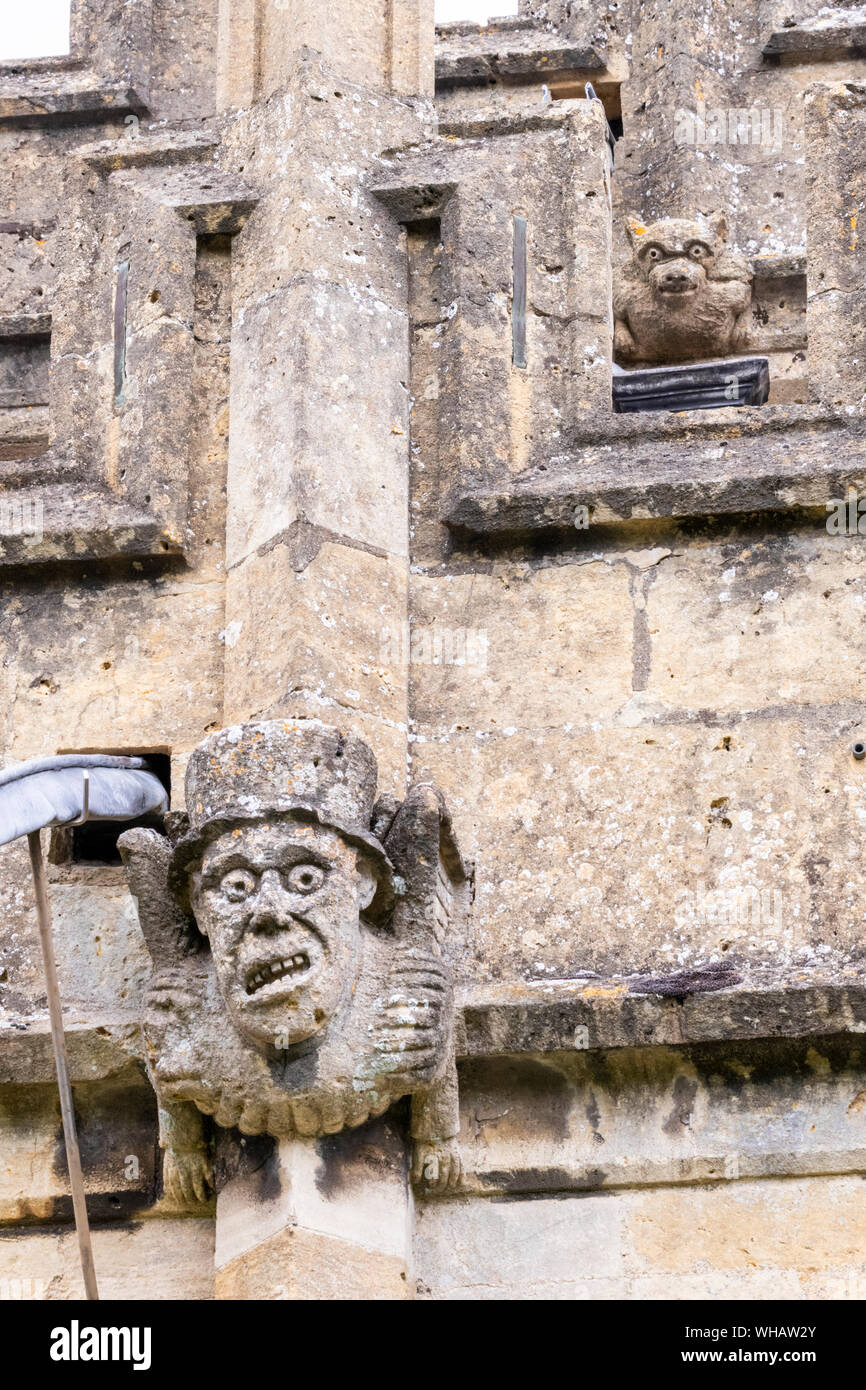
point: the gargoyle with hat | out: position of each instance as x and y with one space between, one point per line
300 933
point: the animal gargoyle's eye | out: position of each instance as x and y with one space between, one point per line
698 252
304 878
238 884
653 253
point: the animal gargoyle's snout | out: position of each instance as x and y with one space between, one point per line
677 277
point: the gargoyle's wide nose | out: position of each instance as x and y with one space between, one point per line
270 910
676 279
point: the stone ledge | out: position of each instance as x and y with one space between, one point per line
817 42
106 71
158 148
69 101
95 1050
539 1017
593 1014
78 524
471 55
751 459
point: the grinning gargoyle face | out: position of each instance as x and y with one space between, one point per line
674 270
675 256
281 903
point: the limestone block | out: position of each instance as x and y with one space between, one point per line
371 42
319 284
669 164
129 667
299 1265
728 624
317 619
834 859
836 313
808 1227
184 60
536 172
26 272
327 1218
96 1048
147 1260
117 1137
631 848
753 1240
102 960
99 422
494 1249
310 440
521 647
310 152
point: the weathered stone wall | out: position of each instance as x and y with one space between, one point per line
288 462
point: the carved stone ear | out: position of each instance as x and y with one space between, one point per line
368 884
719 226
636 230
194 885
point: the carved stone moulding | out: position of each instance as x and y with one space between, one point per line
783 458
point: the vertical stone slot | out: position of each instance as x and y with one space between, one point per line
428 325
121 293
209 425
518 303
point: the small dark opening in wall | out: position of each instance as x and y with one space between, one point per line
95 842
24 362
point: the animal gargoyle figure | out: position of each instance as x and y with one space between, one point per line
299 938
683 297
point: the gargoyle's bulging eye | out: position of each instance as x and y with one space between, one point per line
653 253
697 252
304 878
238 884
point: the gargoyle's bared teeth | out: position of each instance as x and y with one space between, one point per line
276 970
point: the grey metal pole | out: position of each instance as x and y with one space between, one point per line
55 1011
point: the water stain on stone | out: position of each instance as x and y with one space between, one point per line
527 1093
376 1149
685 1090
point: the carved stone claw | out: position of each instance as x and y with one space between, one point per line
437 1165
187 1177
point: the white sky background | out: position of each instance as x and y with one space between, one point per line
40 28
34 28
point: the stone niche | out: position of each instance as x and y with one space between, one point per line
521 348
805 445
113 361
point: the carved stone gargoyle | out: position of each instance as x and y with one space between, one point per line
299 938
684 295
